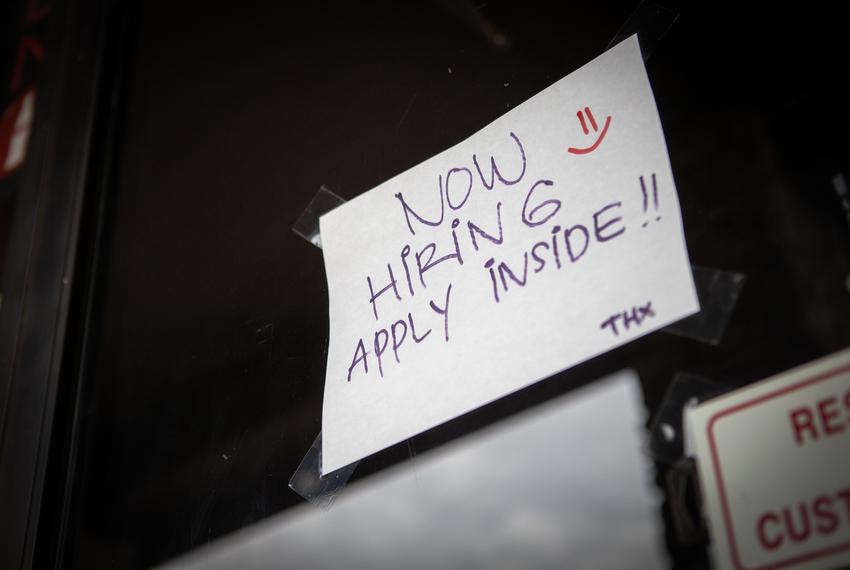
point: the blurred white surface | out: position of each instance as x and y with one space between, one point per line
564 485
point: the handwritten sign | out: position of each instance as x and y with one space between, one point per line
774 464
549 237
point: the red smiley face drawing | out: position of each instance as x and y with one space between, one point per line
593 125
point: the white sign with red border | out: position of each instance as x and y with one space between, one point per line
774 467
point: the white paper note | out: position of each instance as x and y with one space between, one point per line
550 236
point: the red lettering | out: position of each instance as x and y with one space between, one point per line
844 494
769 544
809 518
801 420
847 404
823 510
826 416
797 535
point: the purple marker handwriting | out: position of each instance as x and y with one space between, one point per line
628 319
444 240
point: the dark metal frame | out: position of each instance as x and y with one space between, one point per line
40 271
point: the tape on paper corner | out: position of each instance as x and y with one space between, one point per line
319 490
307 224
651 22
718 293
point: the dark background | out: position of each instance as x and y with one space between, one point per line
216 124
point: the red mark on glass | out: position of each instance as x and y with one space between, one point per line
15 125
581 115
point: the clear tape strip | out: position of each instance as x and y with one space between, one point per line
718 293
308 481
651 22
307 224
